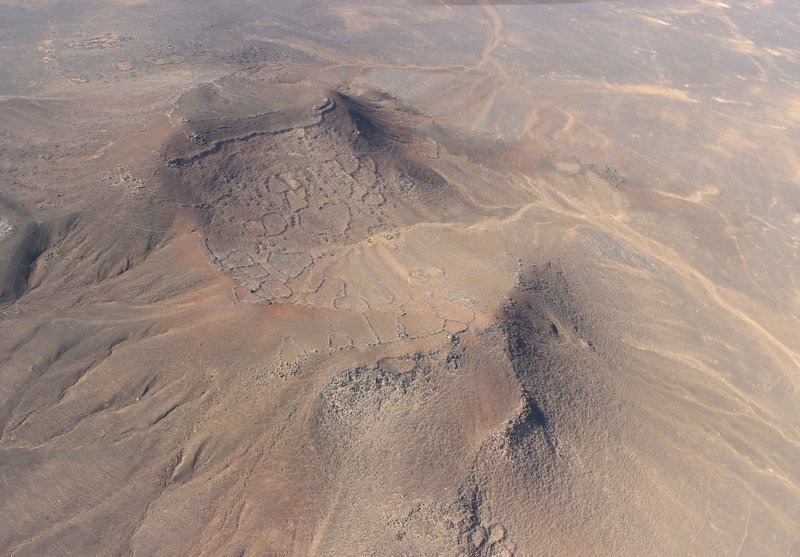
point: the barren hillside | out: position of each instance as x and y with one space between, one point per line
448 279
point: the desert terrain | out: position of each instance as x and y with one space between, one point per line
462 278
